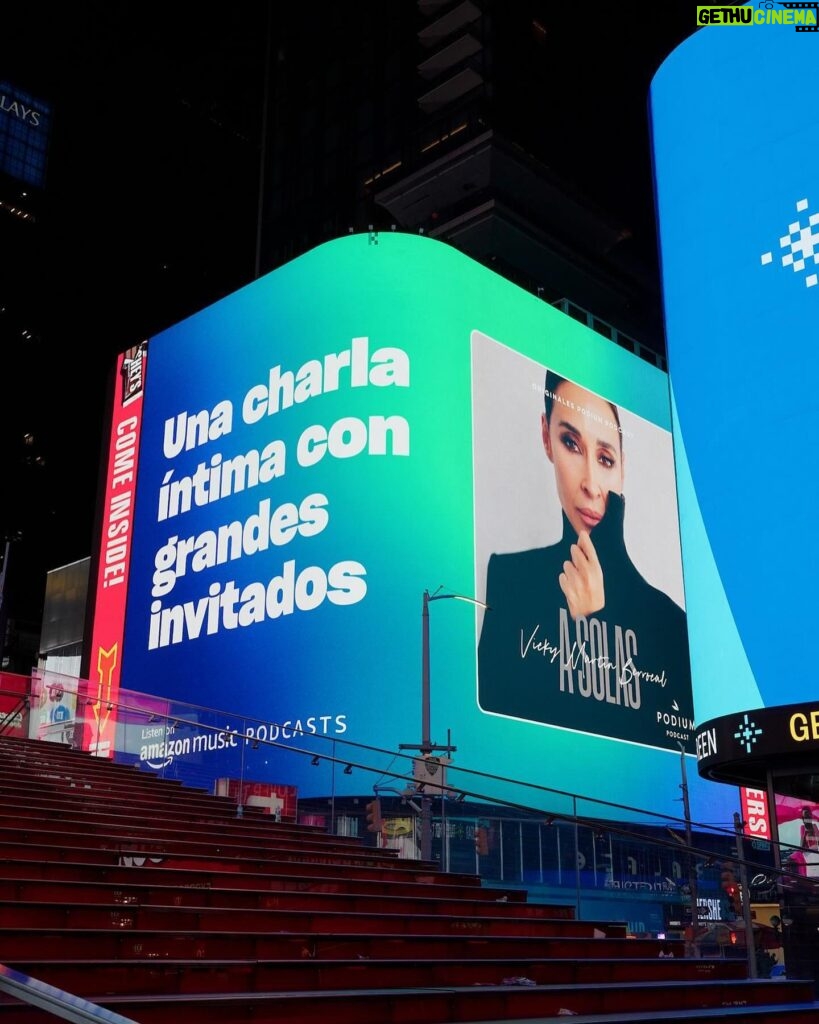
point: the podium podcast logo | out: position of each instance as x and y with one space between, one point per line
800 245
804 17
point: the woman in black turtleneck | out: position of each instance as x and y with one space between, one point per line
575 636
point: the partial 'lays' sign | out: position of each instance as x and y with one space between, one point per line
25 130
802 16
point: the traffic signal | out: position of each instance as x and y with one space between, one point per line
730 887
374 819
482 840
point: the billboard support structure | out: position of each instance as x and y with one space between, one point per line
750 947
426 746
692 873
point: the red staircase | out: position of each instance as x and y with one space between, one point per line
155 901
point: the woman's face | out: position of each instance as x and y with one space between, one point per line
586 451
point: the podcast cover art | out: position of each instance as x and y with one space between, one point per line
577 557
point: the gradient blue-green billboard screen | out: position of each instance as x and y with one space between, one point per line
385 417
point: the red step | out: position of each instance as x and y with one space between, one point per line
131 943
370 901
453 1003
158 902
180 977
281 919
312 879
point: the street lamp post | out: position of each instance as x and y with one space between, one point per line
692 947
426 746
3 616
750 946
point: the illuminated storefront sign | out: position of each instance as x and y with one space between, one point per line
749 743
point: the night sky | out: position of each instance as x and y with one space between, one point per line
151 208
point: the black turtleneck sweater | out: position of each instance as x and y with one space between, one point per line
622 671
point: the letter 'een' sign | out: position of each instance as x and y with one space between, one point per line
740 748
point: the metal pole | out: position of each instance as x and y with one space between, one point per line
99 717
3 575
426 746
610 872
444 824
540 851
333 792
750 948
263 142
770 796
426 742
444 835
559 855
239 807
576 858
692 949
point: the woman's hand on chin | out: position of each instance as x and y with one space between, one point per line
582 579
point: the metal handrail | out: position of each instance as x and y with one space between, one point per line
8 718
355 755
56 1001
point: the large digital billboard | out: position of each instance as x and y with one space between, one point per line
380 418
735 155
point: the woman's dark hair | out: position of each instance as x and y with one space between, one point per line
553 382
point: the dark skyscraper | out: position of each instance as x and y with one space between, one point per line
146 212
505 130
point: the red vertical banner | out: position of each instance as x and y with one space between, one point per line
755 816
114 554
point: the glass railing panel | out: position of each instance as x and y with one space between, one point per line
55 705
654 872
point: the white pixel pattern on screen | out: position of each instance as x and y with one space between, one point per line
801 245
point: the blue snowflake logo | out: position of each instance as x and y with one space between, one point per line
747 733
